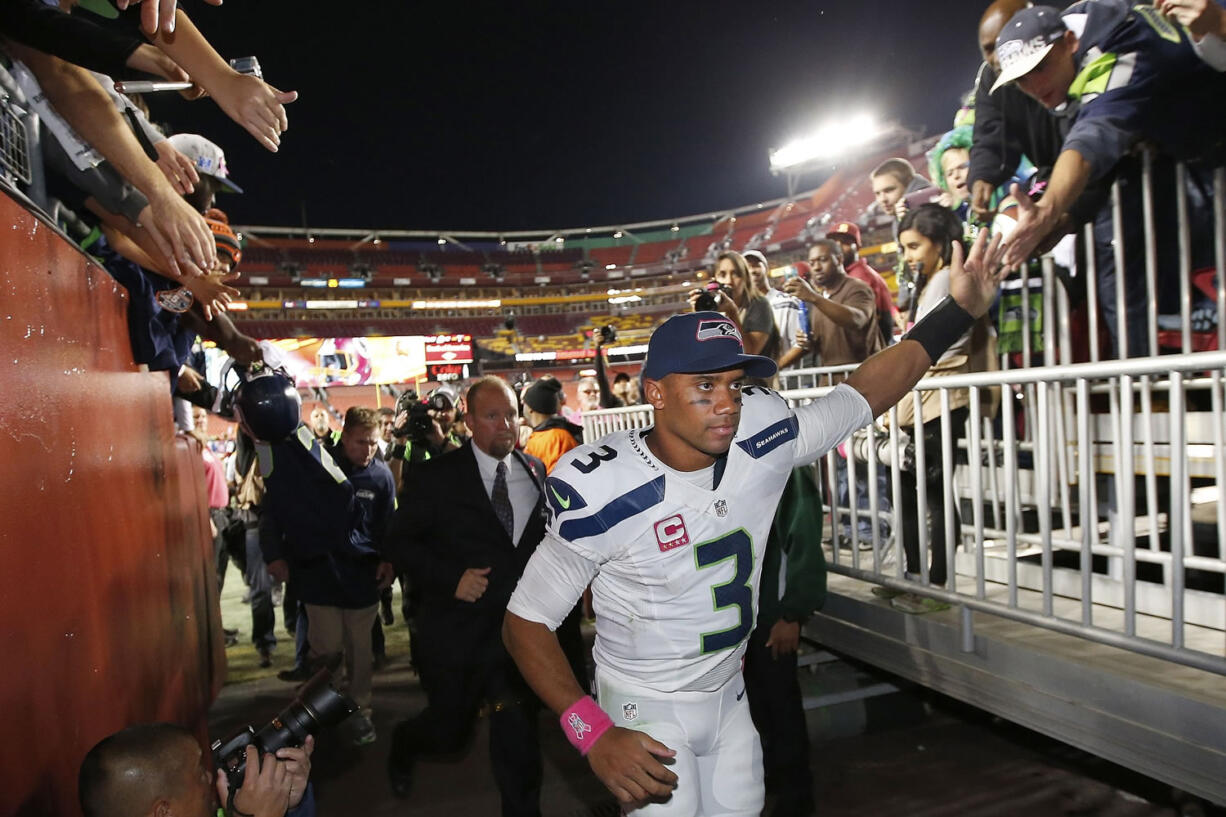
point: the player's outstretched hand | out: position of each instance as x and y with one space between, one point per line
973 282
628 763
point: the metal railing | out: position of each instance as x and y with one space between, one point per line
21 165
1091 503
1004 560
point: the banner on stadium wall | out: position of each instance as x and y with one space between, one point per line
322 362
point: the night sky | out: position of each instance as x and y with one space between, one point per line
561 114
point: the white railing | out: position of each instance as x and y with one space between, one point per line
1092 503
1030 507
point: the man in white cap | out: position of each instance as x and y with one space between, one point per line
1121 74
668 526
210 163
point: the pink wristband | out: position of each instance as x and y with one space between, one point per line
584 722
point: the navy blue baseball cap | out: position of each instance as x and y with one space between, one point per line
699 342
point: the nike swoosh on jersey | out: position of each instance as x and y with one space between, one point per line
620 509
740 695
562 497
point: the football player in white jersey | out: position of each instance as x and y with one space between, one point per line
668 526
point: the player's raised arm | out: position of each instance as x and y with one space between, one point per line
885 377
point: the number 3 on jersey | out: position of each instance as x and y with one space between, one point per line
736 591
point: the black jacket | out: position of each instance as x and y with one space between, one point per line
445 525
1008 125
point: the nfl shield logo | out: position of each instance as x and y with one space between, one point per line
630 711
721 507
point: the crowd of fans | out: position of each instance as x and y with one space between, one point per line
1061 105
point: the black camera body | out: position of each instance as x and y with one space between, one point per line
608 334
706 301
317 706
419 422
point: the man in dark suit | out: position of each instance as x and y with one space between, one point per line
467 524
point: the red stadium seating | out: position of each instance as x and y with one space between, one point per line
602 257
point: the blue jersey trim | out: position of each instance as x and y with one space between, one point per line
618 510
770 438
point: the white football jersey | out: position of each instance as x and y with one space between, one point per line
677 566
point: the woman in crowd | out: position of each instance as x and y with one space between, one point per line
926 236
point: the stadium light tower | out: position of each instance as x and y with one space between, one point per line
830 142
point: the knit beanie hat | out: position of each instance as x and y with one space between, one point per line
227 241
543 396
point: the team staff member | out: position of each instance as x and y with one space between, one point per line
475 517
669 526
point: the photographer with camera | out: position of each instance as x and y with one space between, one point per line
423 429
608 397
160 769
733 297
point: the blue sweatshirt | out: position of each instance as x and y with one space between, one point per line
1138 79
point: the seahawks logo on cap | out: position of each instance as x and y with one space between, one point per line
713 329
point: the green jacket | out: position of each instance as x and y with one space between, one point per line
793 582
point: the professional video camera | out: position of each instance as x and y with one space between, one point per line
418 420
706 301
317 706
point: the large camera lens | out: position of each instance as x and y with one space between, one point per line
318 706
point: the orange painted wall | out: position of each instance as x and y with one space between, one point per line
108 613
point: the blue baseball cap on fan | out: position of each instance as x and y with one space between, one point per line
699 342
